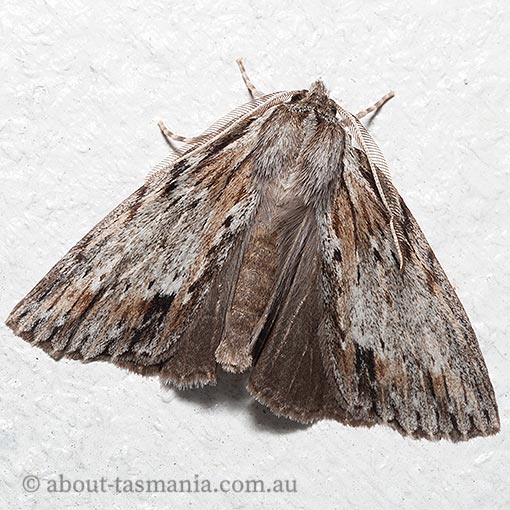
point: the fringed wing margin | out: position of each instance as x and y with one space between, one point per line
400 347
147 288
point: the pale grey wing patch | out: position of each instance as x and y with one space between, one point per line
129 290
404 352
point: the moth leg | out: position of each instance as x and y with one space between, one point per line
169 135
375 106
254 93
169 141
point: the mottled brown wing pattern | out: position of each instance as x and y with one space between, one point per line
401 349
127 292
353 337
274 244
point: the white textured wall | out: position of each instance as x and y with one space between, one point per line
82 86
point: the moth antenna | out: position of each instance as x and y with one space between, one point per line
375 106
254 93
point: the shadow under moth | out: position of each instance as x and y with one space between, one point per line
274 242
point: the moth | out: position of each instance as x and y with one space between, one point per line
274 242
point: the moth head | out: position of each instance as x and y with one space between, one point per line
317 98
318 89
